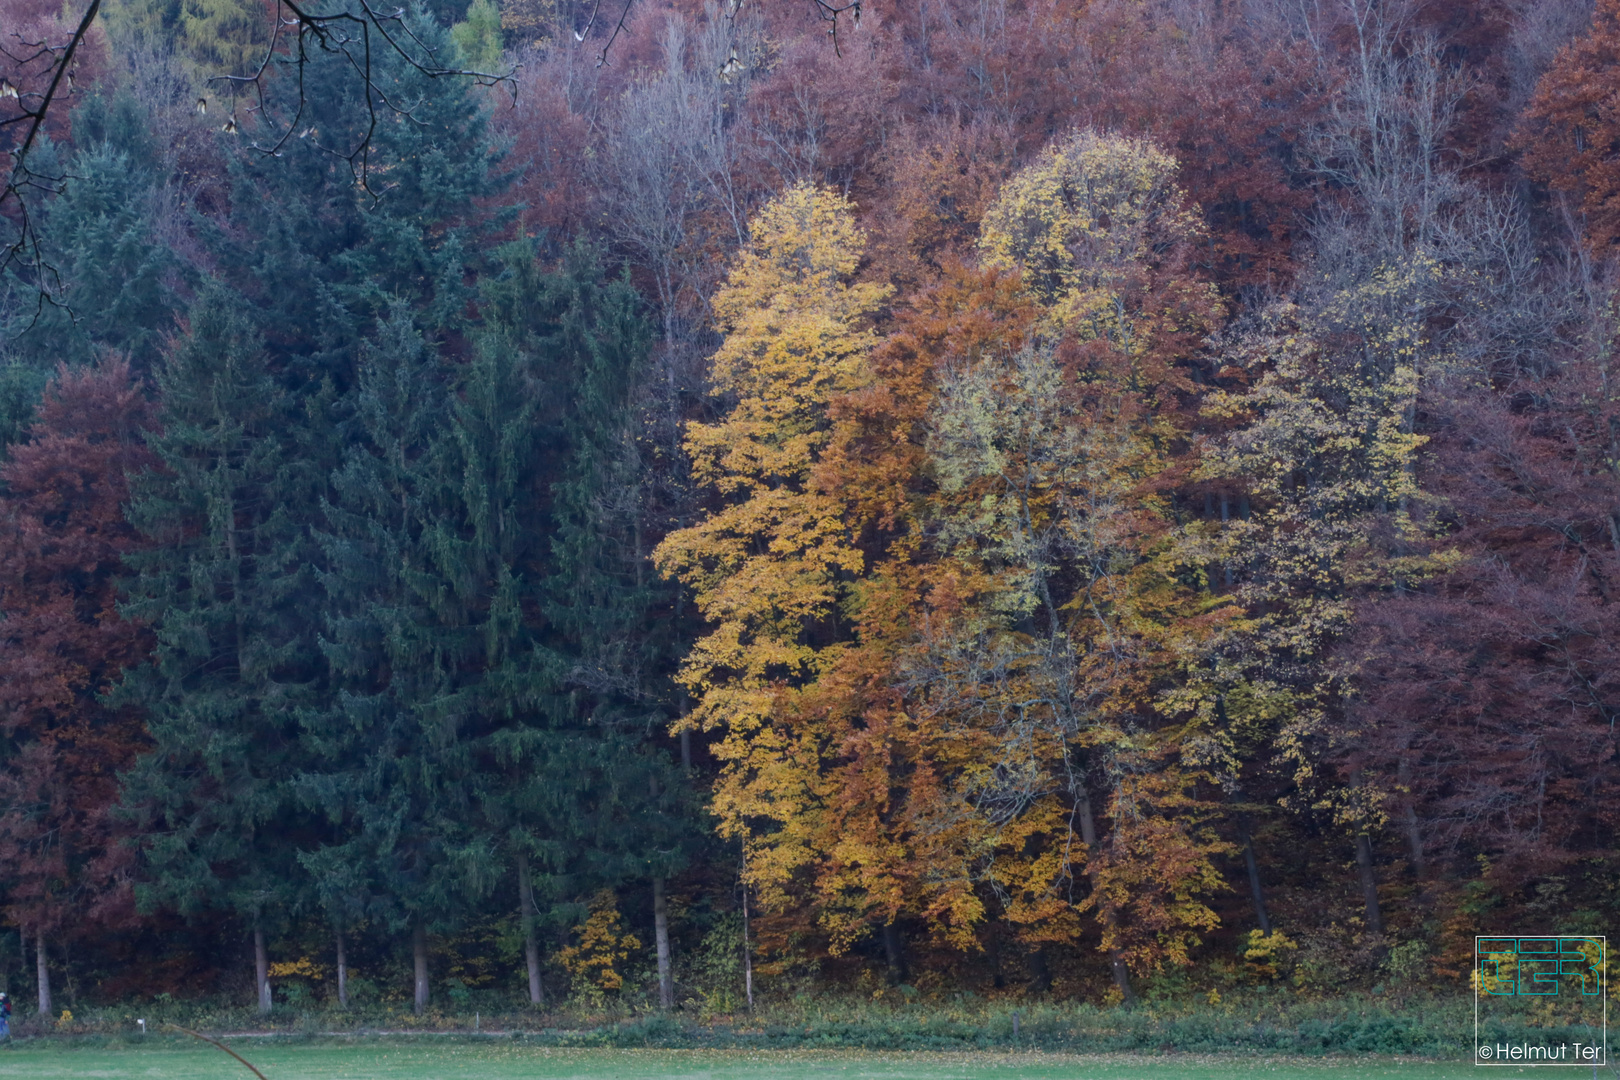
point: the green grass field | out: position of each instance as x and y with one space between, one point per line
431 1059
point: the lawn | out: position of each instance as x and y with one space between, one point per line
435 1059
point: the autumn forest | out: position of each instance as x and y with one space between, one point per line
540 502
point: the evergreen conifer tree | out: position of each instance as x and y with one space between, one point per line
372 632
323 246
113 277
587 800
223 585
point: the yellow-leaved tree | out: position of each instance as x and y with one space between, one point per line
1092 223
767 561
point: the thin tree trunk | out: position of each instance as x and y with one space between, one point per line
1414 835
748 956
666 983
343 972
1369 882
261 970
1254 874
686 736
44 973
531 945
666 980
1088 833
419 955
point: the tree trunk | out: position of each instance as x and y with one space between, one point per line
1254 874
1040 972
261 970
686 736
748 957
419 951
894 954
44 973
531 945
1088 834
1414 835
666 980
343 972
1369 883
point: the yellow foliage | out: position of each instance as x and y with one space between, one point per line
1265 951
303 966
765 564
1325 445
1085 222
478 37
215 37
1076 612
603 945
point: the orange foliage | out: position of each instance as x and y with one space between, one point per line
1570 135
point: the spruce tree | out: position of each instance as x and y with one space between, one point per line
224 586
120 295
112 279
322 245
388 771
586 799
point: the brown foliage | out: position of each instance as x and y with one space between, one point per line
1489 699
63 644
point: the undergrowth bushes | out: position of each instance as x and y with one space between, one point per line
1268 1023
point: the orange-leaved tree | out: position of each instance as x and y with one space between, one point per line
900 842
1570 134
1075 614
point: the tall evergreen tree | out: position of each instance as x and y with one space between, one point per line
114 277
321 245
224 585
323 255
372 634
586 800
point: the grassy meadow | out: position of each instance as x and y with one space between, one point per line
440 1058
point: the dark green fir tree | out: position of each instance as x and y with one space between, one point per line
226 586
588 797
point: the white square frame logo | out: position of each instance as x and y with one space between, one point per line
1545 949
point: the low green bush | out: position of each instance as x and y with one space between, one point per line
1244 1022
